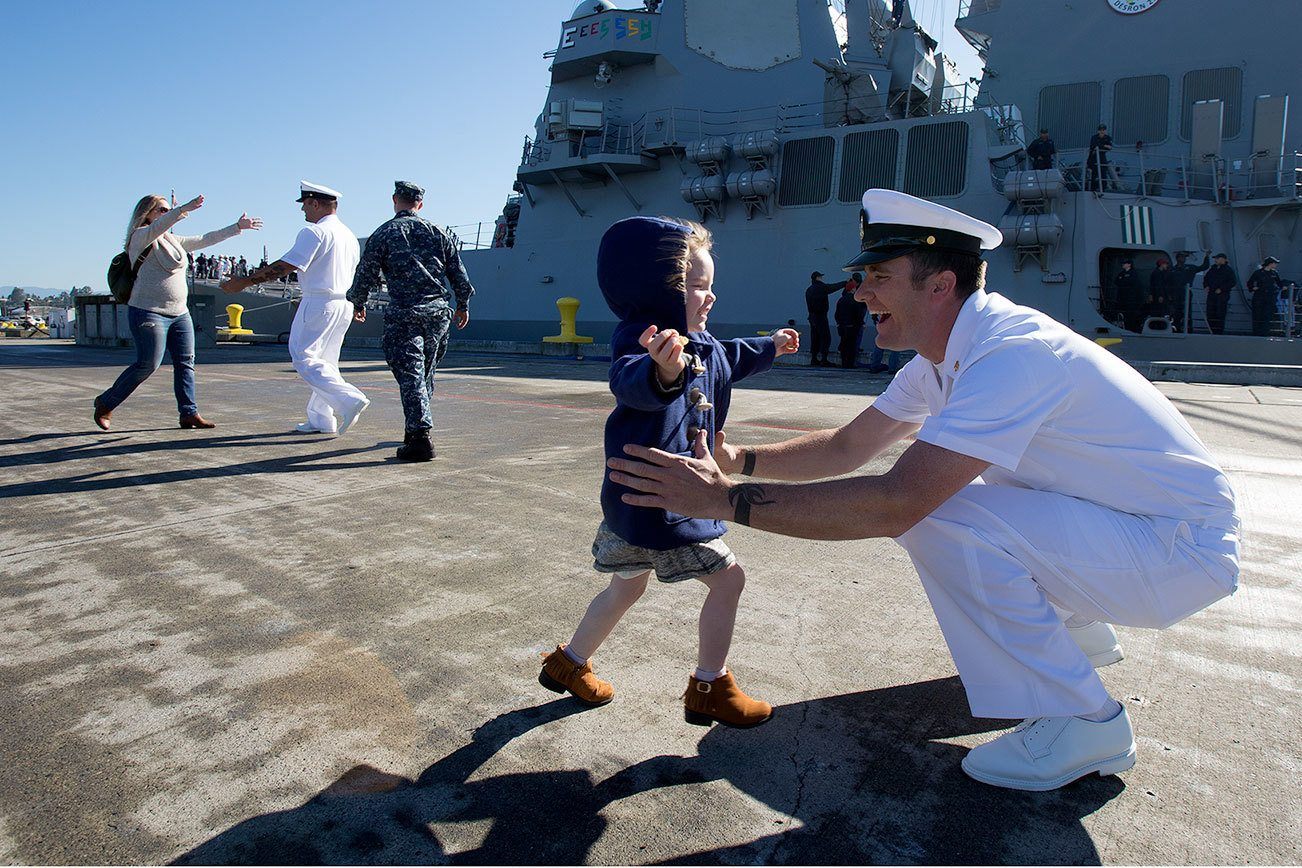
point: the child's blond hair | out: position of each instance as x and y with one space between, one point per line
680 247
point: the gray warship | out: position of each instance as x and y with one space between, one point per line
767 121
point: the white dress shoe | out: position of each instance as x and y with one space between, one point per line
352 414
309 428
1045 753
1099 642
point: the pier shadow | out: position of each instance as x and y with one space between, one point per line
866 777
109 443
313 462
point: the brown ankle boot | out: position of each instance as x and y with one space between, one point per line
560 673
722 700
196 421
103 416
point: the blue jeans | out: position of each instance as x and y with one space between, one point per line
154 333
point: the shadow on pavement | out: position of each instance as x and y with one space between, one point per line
97 481
864 775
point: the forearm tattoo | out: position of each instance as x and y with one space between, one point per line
274 271
743 497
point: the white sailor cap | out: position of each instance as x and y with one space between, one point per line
893 224
308 190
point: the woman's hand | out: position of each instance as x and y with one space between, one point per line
193 205
786 342
245 221
666 350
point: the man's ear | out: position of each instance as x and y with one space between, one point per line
944 280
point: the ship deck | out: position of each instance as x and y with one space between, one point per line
249 645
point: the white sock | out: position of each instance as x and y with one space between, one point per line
574 658
707 675
1110 709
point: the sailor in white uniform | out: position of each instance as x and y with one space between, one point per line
1051 491
326 254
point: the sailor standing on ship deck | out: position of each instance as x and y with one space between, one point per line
413 258
1051 491
326 252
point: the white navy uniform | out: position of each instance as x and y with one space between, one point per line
1100 500
326 254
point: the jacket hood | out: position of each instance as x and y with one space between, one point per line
634 266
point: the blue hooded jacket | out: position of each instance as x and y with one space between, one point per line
633 271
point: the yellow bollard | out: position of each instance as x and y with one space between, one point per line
1107 342
234 312
569 308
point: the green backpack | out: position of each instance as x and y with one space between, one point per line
122 275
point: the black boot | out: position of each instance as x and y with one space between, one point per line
416 446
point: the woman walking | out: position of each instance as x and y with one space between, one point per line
157 312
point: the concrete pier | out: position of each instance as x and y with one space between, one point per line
247 645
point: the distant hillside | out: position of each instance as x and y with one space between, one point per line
30 290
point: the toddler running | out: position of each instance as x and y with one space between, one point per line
672 380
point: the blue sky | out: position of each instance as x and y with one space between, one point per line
104 102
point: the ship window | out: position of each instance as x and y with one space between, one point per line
1140 109
1071 112
935 162
806 173
867 161
1224 84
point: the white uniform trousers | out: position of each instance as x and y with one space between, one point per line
995 560
314 342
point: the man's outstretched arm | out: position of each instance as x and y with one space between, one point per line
274 271
818 454
856 508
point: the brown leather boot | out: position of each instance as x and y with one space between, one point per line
103 416
560 673
722 700
196 421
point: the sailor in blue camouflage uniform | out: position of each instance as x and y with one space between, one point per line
417 262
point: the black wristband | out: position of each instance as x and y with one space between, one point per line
748 464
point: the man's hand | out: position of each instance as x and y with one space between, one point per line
233 285
666 350
786 342
689 486
359 314
247 222
728 457
462 317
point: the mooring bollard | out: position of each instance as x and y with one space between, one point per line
234 312
569 308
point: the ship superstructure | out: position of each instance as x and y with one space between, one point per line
769 127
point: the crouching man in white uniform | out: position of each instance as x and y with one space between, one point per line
1051 491
326 252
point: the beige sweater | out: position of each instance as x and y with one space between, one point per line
161 285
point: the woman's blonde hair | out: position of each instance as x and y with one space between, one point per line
680 247
142 209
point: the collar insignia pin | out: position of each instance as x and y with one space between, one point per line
956 367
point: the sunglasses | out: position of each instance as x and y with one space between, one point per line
163 208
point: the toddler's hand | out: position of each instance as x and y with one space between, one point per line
786 341
666 350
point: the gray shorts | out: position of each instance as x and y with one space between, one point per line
611 554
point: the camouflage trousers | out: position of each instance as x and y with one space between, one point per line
414 343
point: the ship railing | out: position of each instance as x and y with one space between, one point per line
976 7
676 126
1145 173
472 236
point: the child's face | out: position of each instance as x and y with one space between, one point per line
700 290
